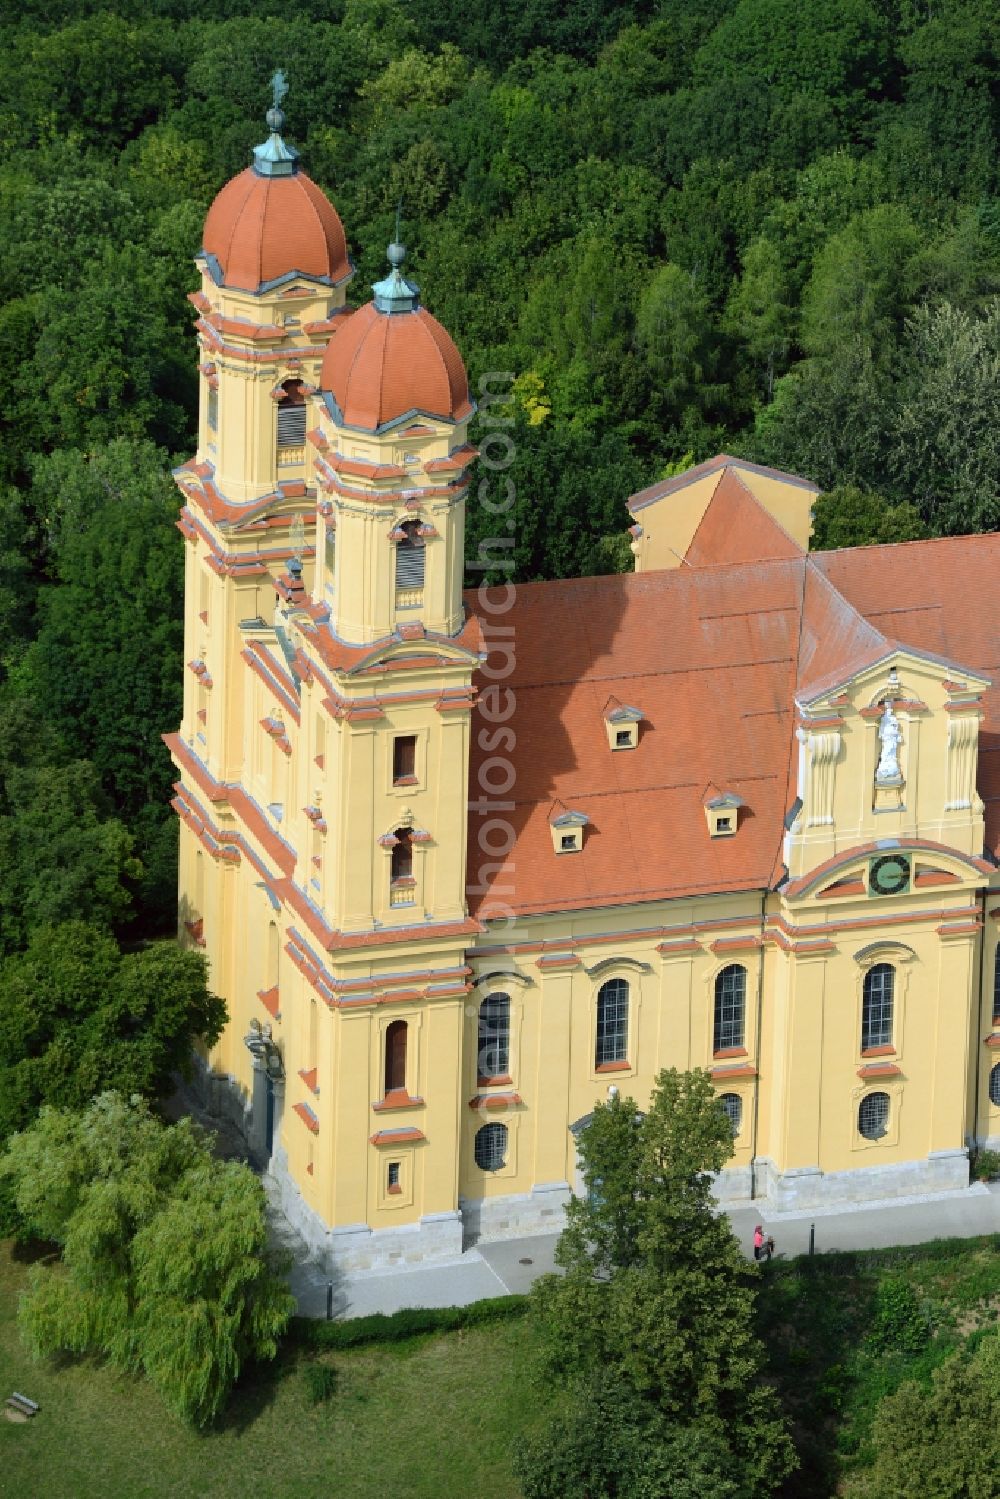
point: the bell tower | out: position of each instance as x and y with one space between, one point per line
390 458
264 323
392 653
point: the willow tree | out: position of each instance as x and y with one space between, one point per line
164 1268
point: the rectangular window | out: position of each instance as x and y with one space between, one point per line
329 549
623 738
393 1183
404 759
213 408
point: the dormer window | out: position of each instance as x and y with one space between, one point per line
622 724
722 812
567 829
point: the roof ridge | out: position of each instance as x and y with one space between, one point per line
804 688
301 178
731 473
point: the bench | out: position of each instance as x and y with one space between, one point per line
20 1408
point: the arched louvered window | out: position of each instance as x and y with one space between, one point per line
494 1036
410 551
876 1008
873 1116
491 1147
996 987
292 415
402 855
729 1029
395 1057
612 1023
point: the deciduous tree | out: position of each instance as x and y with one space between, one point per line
657 1294
164 1266
77 1016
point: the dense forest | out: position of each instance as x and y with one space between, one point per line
752 225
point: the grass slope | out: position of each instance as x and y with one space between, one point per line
818 1316
433 1417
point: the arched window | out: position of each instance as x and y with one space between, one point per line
730 1008
410 551
402 855
494 1036
292 415
876 1008
873 1115
612 1023
995 1086
491 1147
732 1106
395 1057
996 987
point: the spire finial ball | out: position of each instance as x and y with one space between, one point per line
396 253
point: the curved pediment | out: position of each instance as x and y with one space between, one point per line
503 976
897 865
429 651
608 965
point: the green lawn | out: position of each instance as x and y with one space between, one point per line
436 1416
433 1417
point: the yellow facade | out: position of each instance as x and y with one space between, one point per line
324 771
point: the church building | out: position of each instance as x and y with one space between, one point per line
464 862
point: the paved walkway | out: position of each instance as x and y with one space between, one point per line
509 1266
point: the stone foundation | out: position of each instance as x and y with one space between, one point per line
733 1184
807 1187
356 1248
540 1211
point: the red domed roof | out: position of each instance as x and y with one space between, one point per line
262 228
385 365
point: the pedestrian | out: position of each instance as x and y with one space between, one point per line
768 1248
758 1242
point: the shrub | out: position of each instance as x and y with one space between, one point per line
986 1165
321 1381
412 1322
900 1323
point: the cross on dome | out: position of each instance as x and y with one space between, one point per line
273 158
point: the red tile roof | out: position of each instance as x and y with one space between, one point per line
735 528
383 365
716 654
262 228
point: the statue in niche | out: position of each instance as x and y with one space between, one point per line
890 735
